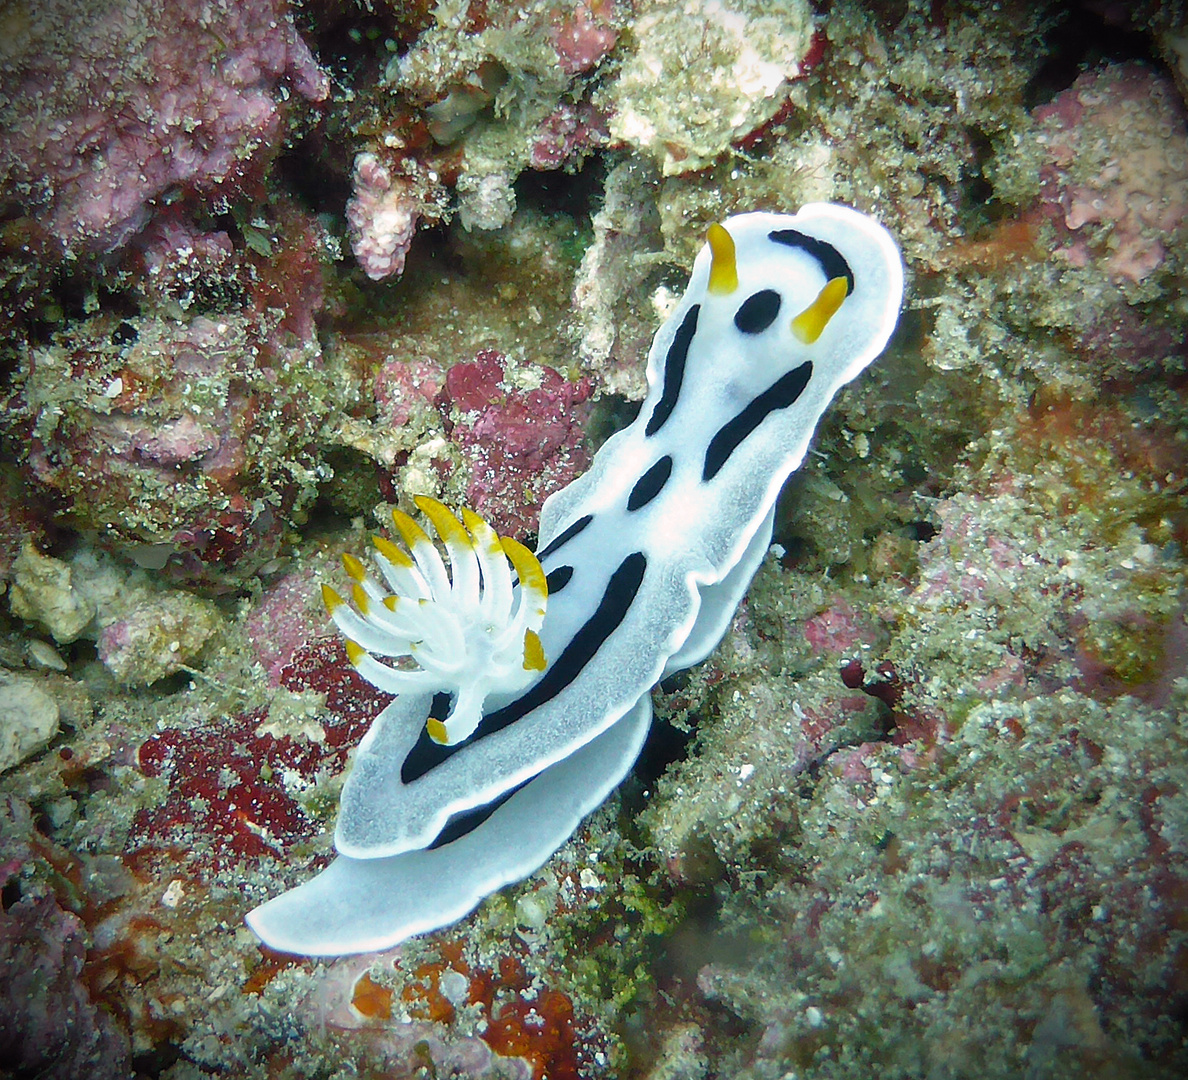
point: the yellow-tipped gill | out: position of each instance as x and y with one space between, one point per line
534 657
391 552
527 566
448 527
410 532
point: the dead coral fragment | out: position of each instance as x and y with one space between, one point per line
383 213
28 719
705 73
158 638
43 592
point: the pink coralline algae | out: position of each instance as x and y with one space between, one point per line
523 444
156 639
383 213
567 136
838 629
404 387
1116 177
584 36
185 266
110 105
288 615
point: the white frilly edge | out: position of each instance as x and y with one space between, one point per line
365 905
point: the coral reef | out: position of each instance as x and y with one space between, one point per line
197 106
193 434
704 75
481 93
922 813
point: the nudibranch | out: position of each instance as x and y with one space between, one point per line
523 680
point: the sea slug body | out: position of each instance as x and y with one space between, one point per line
478 771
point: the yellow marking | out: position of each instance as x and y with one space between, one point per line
409 530
811 322
355 652
448 527
437 731
723 275
391 552
331 599
390 602
360 598
534 657
527 566
481 531
354 567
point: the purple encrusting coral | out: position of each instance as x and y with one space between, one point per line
1128 180
193 106
925 810
158 429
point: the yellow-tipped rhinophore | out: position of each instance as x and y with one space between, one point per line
437 731
360 598
723 275
354 567
331 599
355 652
811 322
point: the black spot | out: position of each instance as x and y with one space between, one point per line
832 263
612 609
758 311
674 371
564 536
782 393
558 578
648 486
